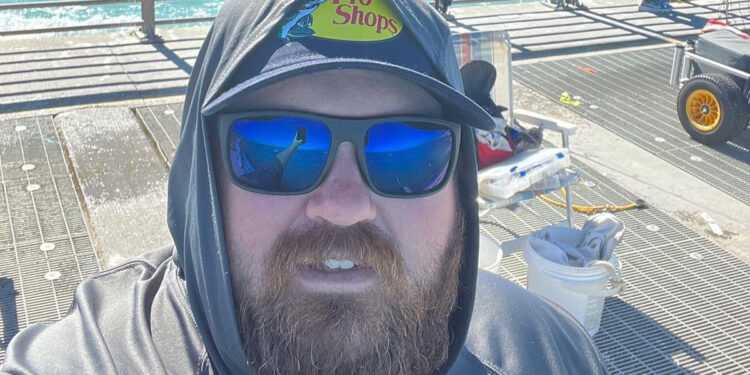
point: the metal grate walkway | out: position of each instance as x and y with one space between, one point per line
45 247
686 308
629 94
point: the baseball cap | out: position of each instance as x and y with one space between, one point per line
317 35
478 77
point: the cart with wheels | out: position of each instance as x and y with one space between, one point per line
713 74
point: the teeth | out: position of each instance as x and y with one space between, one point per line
334 264
331 263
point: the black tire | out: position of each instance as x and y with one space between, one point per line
707 125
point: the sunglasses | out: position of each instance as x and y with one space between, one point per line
290 153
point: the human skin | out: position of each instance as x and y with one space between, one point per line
419 227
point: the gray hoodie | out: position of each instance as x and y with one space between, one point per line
172 310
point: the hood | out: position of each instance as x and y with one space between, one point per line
194 212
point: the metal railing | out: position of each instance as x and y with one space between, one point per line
147 23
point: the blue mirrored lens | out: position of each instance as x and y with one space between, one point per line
408 158
281 154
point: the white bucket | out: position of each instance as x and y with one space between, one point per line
579 290
490 254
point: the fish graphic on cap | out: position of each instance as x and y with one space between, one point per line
297 25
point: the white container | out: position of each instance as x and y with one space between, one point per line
490 254
579 290
518 173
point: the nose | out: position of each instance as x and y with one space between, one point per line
343 198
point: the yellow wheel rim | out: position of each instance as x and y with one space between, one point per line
703 110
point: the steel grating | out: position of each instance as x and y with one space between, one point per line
162 124
629 94
45 246
686 308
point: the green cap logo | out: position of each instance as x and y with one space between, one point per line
348 20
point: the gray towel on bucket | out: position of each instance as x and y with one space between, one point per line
596 240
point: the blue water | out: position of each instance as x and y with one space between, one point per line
98 14
128 12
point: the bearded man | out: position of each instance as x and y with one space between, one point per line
355 254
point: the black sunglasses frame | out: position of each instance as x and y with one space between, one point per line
342 130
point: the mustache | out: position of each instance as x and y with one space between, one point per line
364 243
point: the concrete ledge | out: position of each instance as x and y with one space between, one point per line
122 181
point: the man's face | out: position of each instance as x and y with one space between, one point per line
295 313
